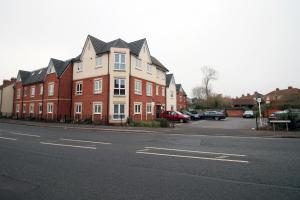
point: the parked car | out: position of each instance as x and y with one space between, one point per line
214 115
248 114
277 115
175 116
193 115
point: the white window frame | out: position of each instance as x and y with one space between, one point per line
119 80
99 105
149 105
17 108
120 65
98 61
157 90
50 108
136 105
24 107
31 108
41 89
32 91
18 93
138 63
136 89
119 111
76 108
163 91
79 67
78 91
149 68
51 89
172 94
98 90
40 105
149 88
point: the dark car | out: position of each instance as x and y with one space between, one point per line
214 115
175 116
278 115
193 115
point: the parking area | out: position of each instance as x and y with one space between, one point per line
228 123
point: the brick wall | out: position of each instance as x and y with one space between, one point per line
181 104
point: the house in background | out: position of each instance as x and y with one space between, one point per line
289 96
6 97
115 80
181 97
171 92
247 101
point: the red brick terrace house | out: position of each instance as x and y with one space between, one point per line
181 97
115 80
283 97
44 93
248 101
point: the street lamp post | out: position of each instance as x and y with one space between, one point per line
259 108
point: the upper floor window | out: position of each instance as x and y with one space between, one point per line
157 90
18 93
79 88
149 68
52 70
163 91
138 63
180 98
78 67
25 91
32 91
172 94
98 61
97 86
138 87
119 61
50 89
149 89
41 89
119 86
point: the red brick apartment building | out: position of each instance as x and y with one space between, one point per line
108 82
44 93
181 97
115 80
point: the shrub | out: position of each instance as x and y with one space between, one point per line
164 123
87 121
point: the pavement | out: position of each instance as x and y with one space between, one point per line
74 163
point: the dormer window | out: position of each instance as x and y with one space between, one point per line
98 61
51 70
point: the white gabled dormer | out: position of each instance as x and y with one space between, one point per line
51 68
145 54
19 78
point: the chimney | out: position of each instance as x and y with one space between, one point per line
290 87
6 83
248 94
13 80
277 89
243 95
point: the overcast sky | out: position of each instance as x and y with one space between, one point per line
253 44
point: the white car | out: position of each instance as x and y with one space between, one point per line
248 114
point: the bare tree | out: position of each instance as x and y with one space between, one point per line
209 75
198 92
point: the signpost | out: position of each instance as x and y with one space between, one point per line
259 101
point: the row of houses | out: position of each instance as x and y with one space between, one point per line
108 82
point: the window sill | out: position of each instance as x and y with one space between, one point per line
98 67
140 69
98 92
78 94
138 94
119 95
120 70
78 71
149 73
97 113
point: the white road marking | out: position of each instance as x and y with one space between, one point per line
204 152
68 145
194 157
6 138
23 134
93 142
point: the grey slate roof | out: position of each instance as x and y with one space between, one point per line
36 76
178 86
134 47
168 79
60 66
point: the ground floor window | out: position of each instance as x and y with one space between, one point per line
97 107
18 108
24 108
31 108
49 107
78 108
137 108
149 107
119 111
40 108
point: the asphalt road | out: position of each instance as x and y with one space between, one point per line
56 163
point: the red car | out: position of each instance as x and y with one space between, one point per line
175 116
